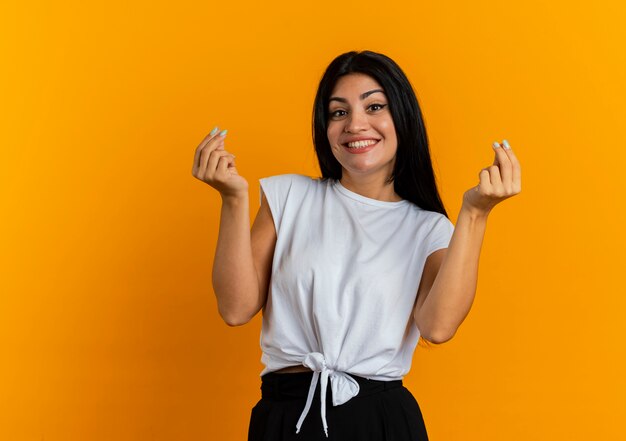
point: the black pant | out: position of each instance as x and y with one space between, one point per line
382 411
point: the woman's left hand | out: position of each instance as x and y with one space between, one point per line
498 182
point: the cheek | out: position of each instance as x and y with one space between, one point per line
388 126
390 130
333 136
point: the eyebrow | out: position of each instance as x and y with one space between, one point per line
363 96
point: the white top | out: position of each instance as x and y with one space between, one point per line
344 280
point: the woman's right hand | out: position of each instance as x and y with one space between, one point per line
215 166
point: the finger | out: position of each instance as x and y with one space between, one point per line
224 164
496 179
216 143
211 135
516 169
220 145
496 146
210 144
213 160
485 182
503 163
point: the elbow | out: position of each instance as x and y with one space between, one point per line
232 322
434 334
438 336
235 318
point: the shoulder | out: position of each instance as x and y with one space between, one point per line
430 220
439 231
278 189
439 224
288 182
289 178
440 219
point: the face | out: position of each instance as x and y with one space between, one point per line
359 111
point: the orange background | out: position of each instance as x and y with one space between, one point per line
108 324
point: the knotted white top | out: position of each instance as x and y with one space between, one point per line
345 274
343 386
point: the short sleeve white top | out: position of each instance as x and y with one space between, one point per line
344 280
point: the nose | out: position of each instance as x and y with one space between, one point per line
357 121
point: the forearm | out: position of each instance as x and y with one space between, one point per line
453 290
235 281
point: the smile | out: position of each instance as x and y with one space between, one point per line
360 146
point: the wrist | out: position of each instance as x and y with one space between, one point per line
475 213
234 198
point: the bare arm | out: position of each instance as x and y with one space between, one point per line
448 285
243 259
449 281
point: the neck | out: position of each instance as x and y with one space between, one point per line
373 187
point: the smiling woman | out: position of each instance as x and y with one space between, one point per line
367 95
362 135
351 268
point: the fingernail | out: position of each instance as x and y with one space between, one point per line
506 144
496 145
214 131
223 132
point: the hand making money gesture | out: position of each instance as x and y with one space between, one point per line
215 166
498 182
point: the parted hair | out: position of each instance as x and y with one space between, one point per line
413 175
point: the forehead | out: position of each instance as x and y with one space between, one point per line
352 85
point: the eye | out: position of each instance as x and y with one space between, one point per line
337 113
382 106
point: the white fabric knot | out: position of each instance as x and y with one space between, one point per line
343 386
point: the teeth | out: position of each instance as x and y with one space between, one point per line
361 144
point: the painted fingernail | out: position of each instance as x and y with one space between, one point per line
214 131
496 145
506 144
223 132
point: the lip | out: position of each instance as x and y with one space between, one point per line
360 138
361 150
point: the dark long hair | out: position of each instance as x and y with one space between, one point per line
413 175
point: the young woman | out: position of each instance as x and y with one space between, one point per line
351 268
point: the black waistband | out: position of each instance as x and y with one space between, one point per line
295 385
